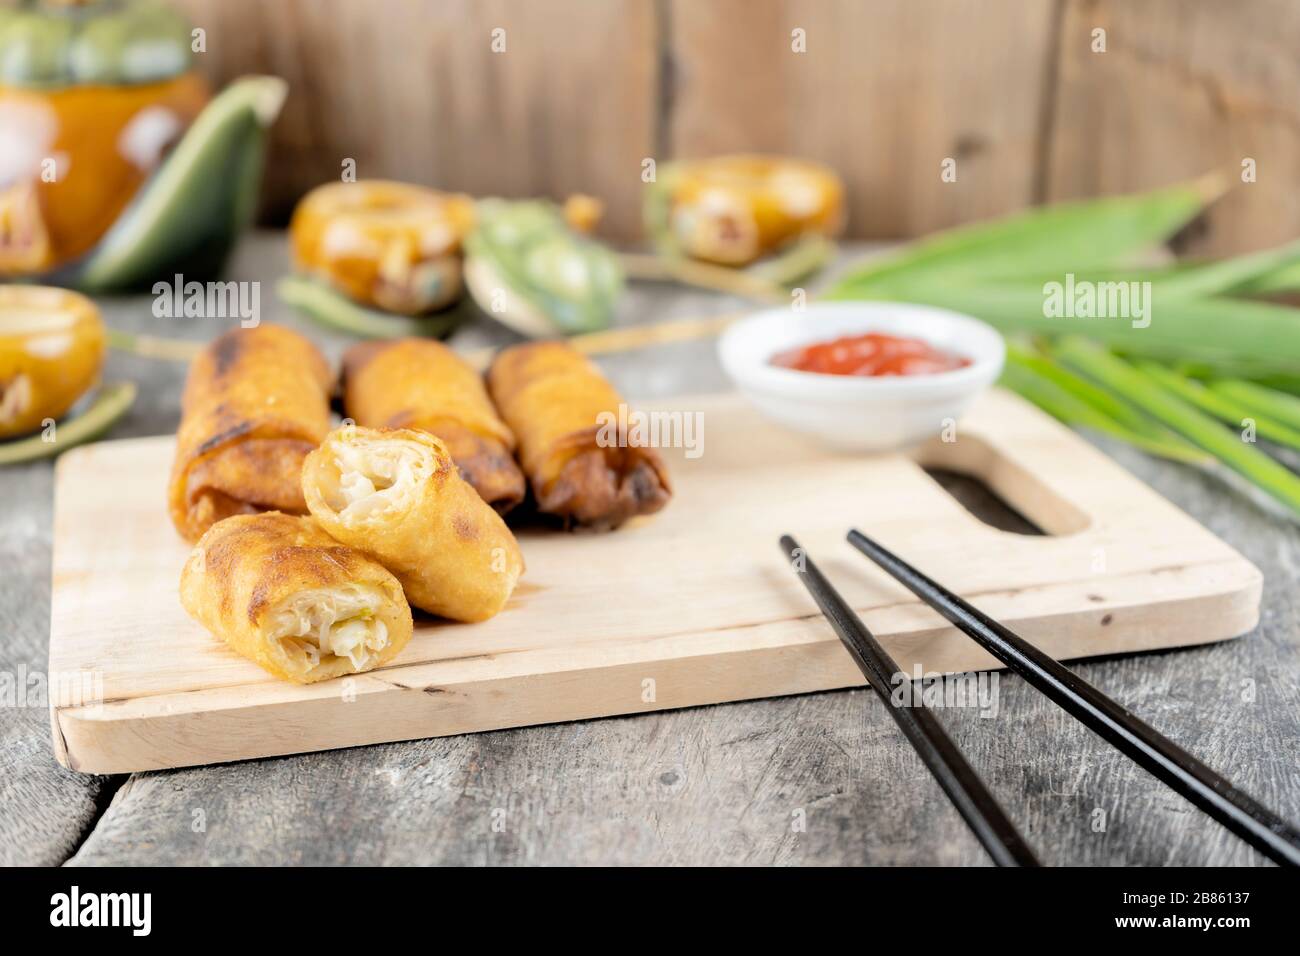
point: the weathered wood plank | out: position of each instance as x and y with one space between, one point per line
1183 87
43 808
885 92
413 90
1010 89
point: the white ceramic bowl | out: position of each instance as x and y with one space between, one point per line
859 412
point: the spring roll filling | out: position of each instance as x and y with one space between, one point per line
319 625
376 477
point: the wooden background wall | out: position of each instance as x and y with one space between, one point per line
586 89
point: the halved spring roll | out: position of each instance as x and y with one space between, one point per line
558 405
422 384
255 403
396 495
287 596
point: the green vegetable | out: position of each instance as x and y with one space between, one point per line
798 260
997 271
1221 406
1261 400
110 404
328 307
1068 237
189 214
1235 275
1148 394
524 261
1079 403
1229 336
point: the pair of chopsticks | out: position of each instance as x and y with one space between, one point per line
1151 750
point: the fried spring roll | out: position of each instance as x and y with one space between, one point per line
553 398
287 596
422 384
396 495
255 403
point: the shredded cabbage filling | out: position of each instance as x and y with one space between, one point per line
323 623
375 477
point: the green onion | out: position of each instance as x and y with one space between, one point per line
331 309
1237 274
1064 405
1103 401
1221 406
109 405
1075 237
1184 418
1230 337
153 346
796 261
1265 401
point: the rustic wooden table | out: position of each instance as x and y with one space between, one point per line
819 779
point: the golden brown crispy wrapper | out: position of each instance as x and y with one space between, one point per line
422 384
397 495
255 403
287 596
553 397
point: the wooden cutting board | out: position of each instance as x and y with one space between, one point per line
693 606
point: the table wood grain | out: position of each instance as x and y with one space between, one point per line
819 779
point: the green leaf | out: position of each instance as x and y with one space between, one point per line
1262 400
795 261
1066 237
1239 274
1103 401
319 302
569 279
109 405
1221 406
1227 337
1027 375
1183 417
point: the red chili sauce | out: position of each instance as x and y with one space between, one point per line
872 354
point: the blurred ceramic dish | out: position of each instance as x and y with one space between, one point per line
116 167
855 412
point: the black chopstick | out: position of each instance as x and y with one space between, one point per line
1151 750
982 813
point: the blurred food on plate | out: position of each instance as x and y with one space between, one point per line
386 245
734 210
51 353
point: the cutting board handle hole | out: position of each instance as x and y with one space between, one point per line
998 490
982 501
